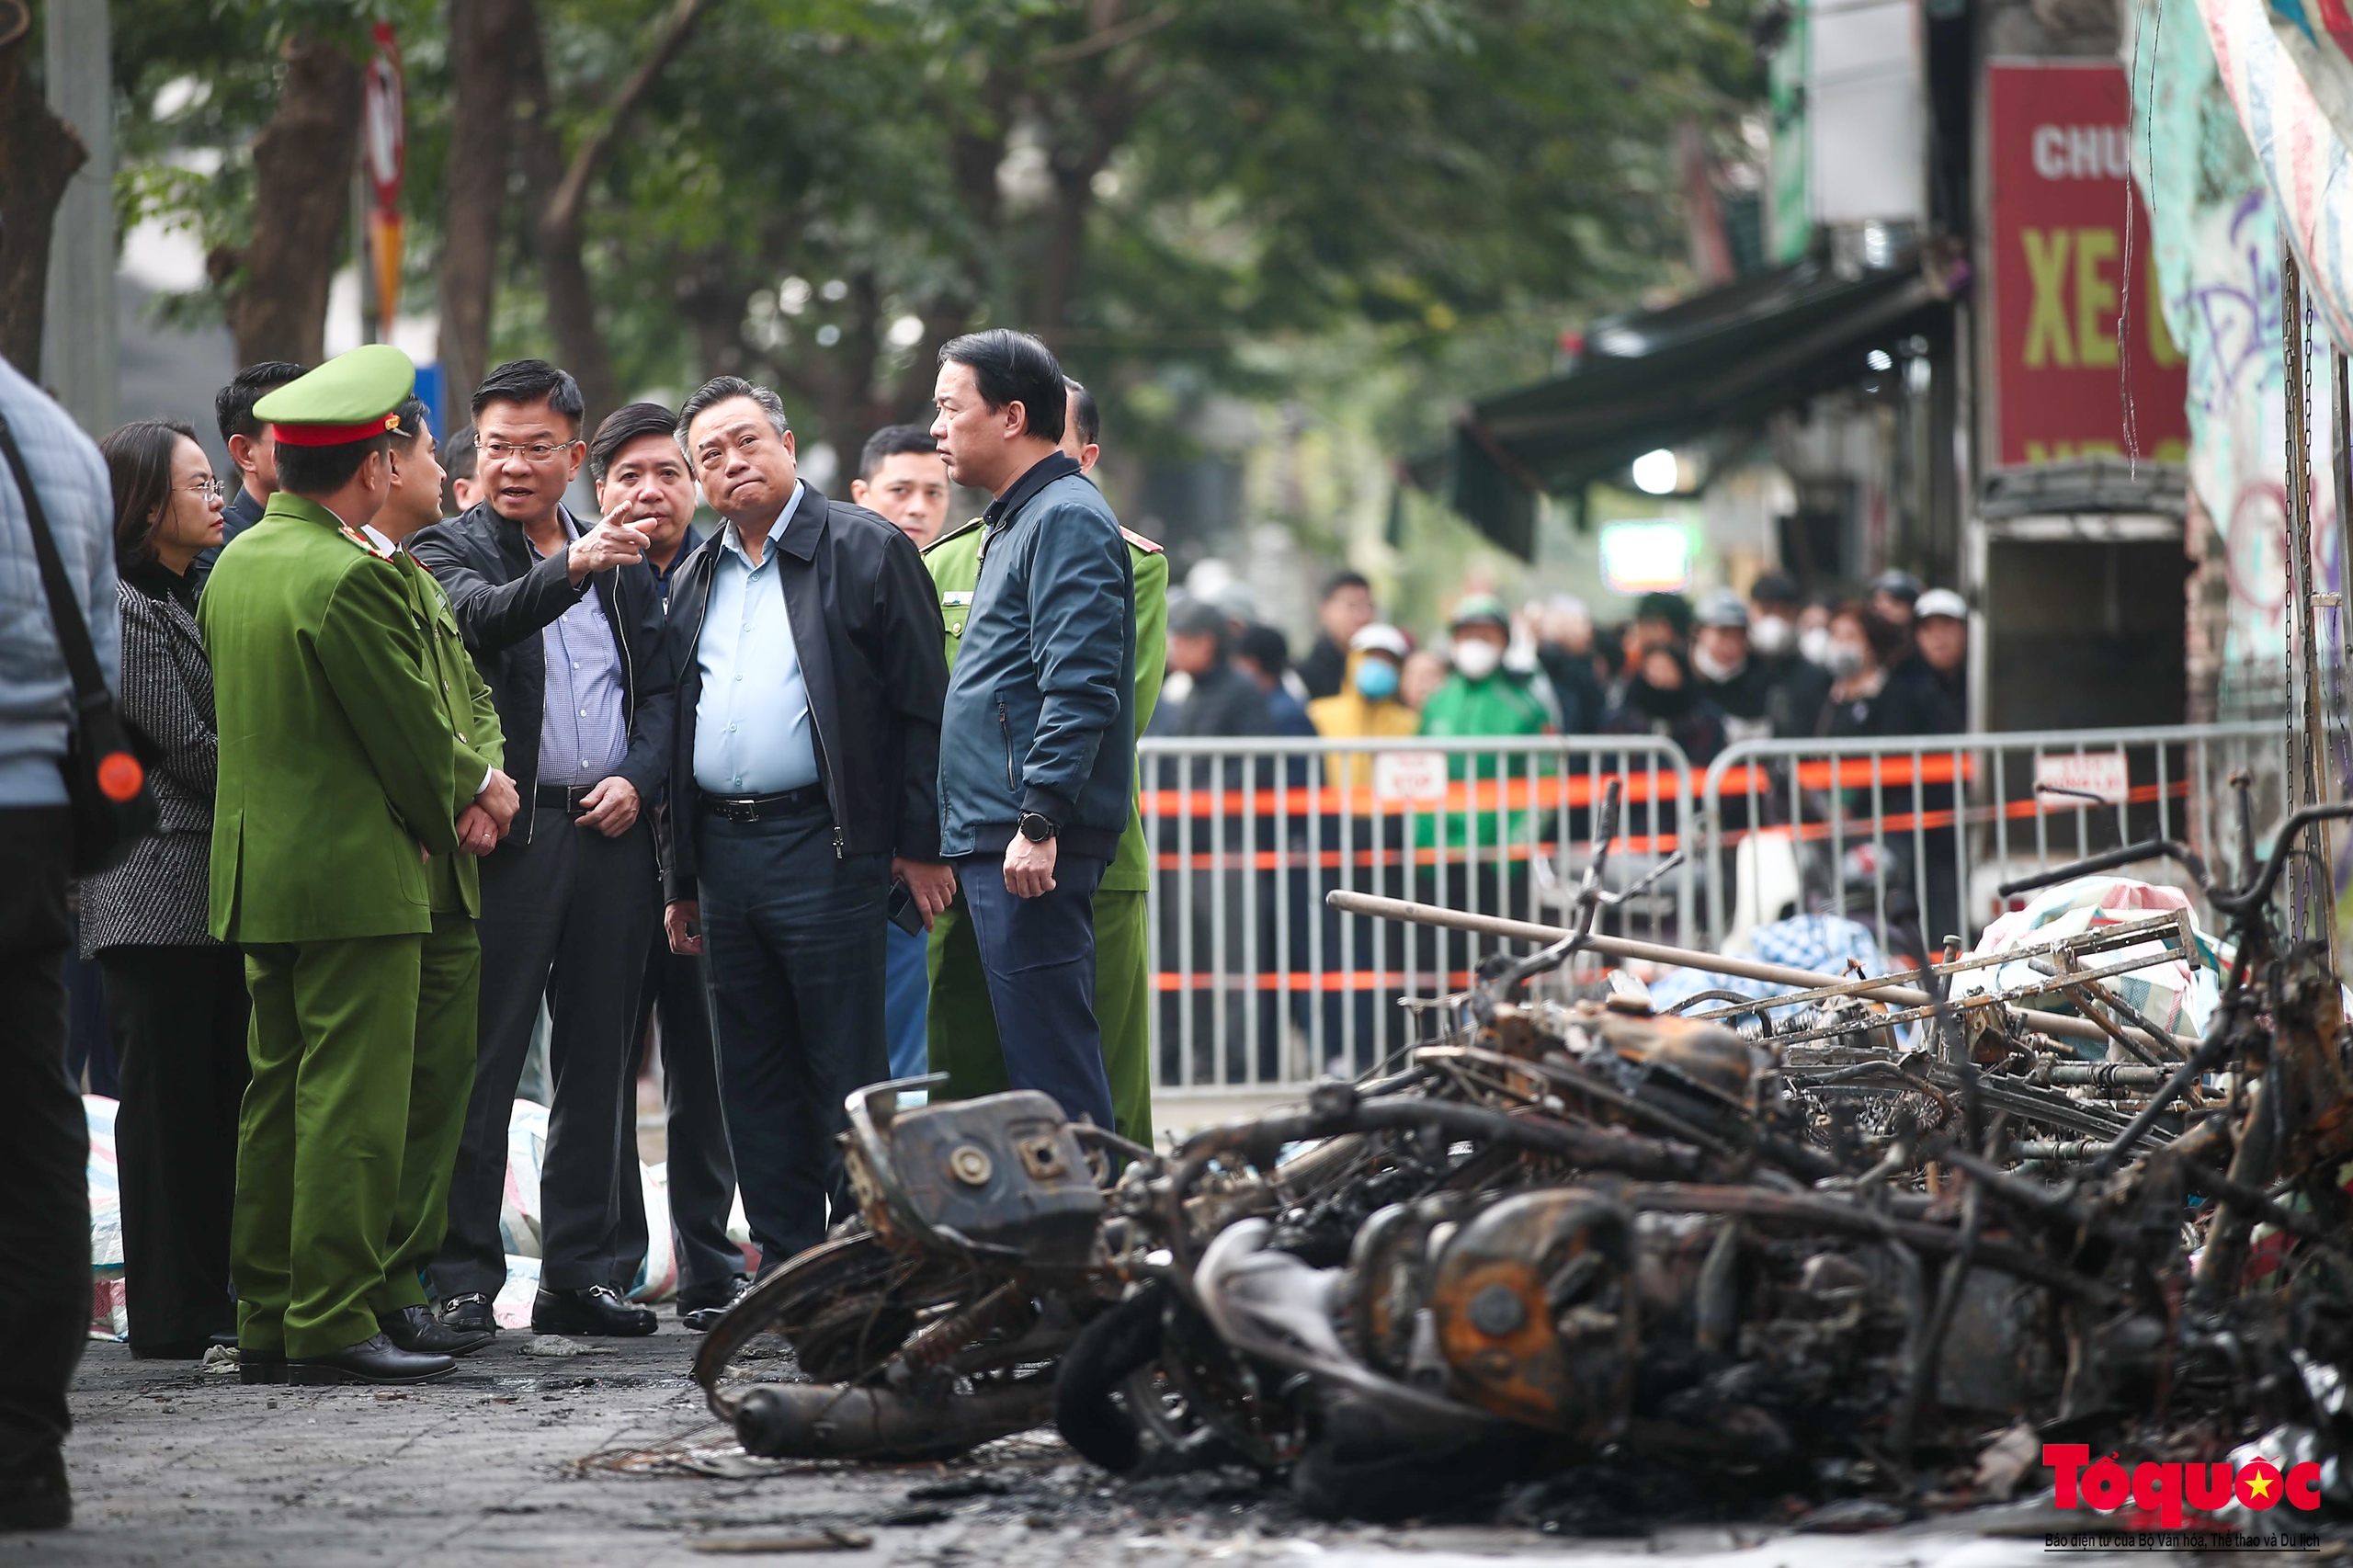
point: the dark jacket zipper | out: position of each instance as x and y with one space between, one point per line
1005 728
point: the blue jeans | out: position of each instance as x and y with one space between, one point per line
907 1001
1039 955
793 934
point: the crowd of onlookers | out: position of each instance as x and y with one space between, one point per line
1777 662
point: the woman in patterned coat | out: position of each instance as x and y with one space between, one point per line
175 998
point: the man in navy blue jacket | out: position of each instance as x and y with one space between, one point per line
1037 755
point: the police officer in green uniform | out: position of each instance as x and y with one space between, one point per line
340 777
441 1078
961 1024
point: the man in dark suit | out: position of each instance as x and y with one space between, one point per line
250 449
810 670
565 624
635 458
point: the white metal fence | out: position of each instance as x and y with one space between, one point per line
1257 982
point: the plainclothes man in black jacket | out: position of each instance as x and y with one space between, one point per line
809 655
1037 759
564 623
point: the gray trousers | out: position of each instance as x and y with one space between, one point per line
568 914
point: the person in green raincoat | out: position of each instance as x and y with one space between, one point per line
1480 860
961 1024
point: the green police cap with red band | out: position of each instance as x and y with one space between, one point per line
349 398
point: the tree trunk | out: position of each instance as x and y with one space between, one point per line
562 189
484 37
303 161
38 153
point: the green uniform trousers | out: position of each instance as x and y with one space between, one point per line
963 1027
441 1084
320 1138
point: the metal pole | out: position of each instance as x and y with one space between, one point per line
78 340
1894 990
2309 904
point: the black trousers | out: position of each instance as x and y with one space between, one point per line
794 936
702 1171
566 915
179 1016
44 1150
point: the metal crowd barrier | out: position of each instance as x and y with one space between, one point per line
1911 835
1257 982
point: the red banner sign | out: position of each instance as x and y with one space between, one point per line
2065 263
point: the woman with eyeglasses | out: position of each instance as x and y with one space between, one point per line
175 998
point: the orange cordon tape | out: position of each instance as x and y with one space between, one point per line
1548 791
1347 980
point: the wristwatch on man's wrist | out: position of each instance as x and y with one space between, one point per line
1038 827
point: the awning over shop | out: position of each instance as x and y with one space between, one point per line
1650 379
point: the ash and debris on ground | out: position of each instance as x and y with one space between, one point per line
613 1462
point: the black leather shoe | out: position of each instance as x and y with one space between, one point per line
595 1310
469 1313
260 1367
701 1306
34 1496
418 1331
374 1360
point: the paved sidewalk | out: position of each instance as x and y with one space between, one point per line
524 1460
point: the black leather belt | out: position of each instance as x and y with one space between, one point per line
763 808
564 798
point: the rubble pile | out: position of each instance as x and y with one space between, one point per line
1583 1261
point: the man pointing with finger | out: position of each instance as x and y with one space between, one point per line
565 624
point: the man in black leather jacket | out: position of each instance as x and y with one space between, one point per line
809 646
565 622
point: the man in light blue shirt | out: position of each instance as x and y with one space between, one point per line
807 641
45 1232
752 722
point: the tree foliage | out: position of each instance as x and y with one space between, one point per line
820 191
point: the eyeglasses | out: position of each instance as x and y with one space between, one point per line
539 452
209 489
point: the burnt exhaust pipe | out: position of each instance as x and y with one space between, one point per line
808 1421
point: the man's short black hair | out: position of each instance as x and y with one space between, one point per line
1013 366
528 381
232 405
414 420
1090 418
1263 646
321 471
630 422
889 442
719 389
1339 580
458 453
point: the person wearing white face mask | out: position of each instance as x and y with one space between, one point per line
1724 671
1795 682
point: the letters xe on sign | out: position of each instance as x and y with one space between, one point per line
2069 252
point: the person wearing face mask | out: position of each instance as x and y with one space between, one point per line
1367 704
1795 684
1481 697
1660 698
1863 699
1725 670
1370 703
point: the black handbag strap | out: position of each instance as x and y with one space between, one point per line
90 693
